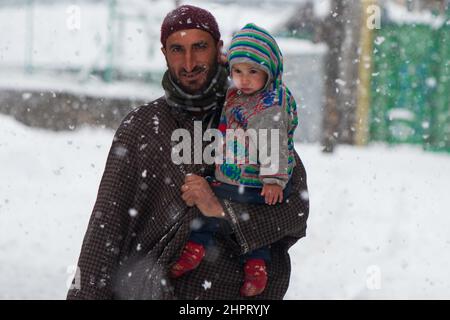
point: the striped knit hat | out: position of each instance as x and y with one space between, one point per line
253 44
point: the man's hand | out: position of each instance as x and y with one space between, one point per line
196 191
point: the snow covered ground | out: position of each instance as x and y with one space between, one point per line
378 225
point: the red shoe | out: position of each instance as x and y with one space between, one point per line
255 277
193 253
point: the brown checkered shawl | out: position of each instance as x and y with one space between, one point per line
126 256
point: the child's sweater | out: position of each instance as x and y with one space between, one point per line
257 111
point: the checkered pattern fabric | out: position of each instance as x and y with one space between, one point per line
140 224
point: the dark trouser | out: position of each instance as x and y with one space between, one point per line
205 236
205 233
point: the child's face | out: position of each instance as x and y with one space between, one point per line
248 78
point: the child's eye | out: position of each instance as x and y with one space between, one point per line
253 71
237 71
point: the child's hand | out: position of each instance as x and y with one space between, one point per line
273 193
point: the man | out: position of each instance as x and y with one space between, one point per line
147 205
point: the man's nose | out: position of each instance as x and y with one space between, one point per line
189 61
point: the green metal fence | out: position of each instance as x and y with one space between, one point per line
440 131
410 98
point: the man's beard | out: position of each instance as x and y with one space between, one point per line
209 76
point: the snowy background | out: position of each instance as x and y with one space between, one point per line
378 225
379 219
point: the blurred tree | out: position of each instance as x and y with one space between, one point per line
341 33
348 70
332 34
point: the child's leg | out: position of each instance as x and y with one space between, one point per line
204 233
194 250
261 253
255 271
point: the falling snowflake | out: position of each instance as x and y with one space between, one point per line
196 224
155 124
304 195
245 216
101 283
276 117
98 214
120 151
26 96
206 285
431 82
143 186
132 212
379 40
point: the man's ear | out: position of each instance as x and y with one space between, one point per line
221 57
164 51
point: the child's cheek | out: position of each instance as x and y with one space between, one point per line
237 83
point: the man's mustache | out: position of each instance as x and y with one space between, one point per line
195 71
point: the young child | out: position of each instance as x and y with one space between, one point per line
258 100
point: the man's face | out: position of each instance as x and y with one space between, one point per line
192 57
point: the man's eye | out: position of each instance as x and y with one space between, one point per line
176 49
201 46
